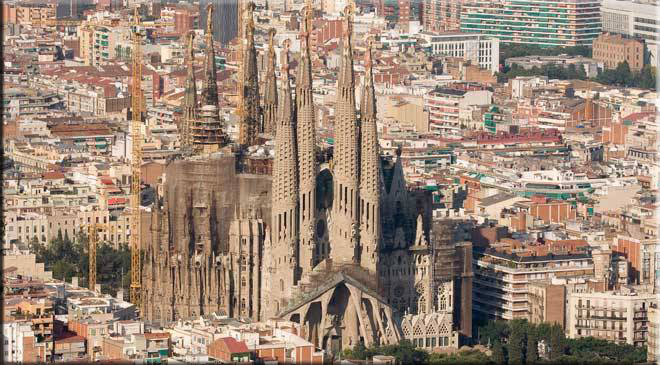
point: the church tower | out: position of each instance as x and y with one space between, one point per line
270 89
249 84
189 99
370 183
284 215
210 85
344 221
306 138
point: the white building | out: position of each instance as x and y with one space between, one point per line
634 18
480 49
13 334
444 106
614 316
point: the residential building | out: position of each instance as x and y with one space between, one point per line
444 105
442 15
620 316
70 348
480 49
546 302
23 102
613 49
638 19
227 349
150 347
502 281
557 23
653 350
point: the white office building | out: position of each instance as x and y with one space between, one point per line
637 18
480 49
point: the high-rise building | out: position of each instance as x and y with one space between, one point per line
550 23
225 19
400 11
637 19
442 15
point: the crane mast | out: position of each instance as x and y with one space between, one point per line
240 108
136 162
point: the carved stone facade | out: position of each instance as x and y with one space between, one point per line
343 248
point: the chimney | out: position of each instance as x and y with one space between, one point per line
74 281
97 288
120 294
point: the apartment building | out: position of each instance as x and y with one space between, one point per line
23 102
637 19
27 329
27 14
445 104
502 281
442 15
613 49
480 49
546 23
45 227
621 317
653 352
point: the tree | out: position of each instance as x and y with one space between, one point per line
498 353
622 73
556 342
63 270
517 339
532 354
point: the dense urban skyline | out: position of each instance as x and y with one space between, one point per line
322 181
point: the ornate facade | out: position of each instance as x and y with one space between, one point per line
344 248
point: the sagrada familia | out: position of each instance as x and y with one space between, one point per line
331 239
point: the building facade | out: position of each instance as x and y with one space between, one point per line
481 50
442 15
637 19
557 23
334 247
614 316
502 282
613 49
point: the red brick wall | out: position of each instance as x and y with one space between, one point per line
630 248
555 212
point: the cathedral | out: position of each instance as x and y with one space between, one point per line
333 240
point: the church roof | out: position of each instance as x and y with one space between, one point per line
334 280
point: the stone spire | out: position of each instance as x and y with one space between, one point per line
370 184
270 89
210 86
250 115
306 136
346 158
189 99
285 191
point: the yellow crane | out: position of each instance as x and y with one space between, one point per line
136 162
92 234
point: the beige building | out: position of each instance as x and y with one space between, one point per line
503 282
653 352
614 316
26 265
612 49
406 110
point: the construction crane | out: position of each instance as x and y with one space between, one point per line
136 162
240 108
92 231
